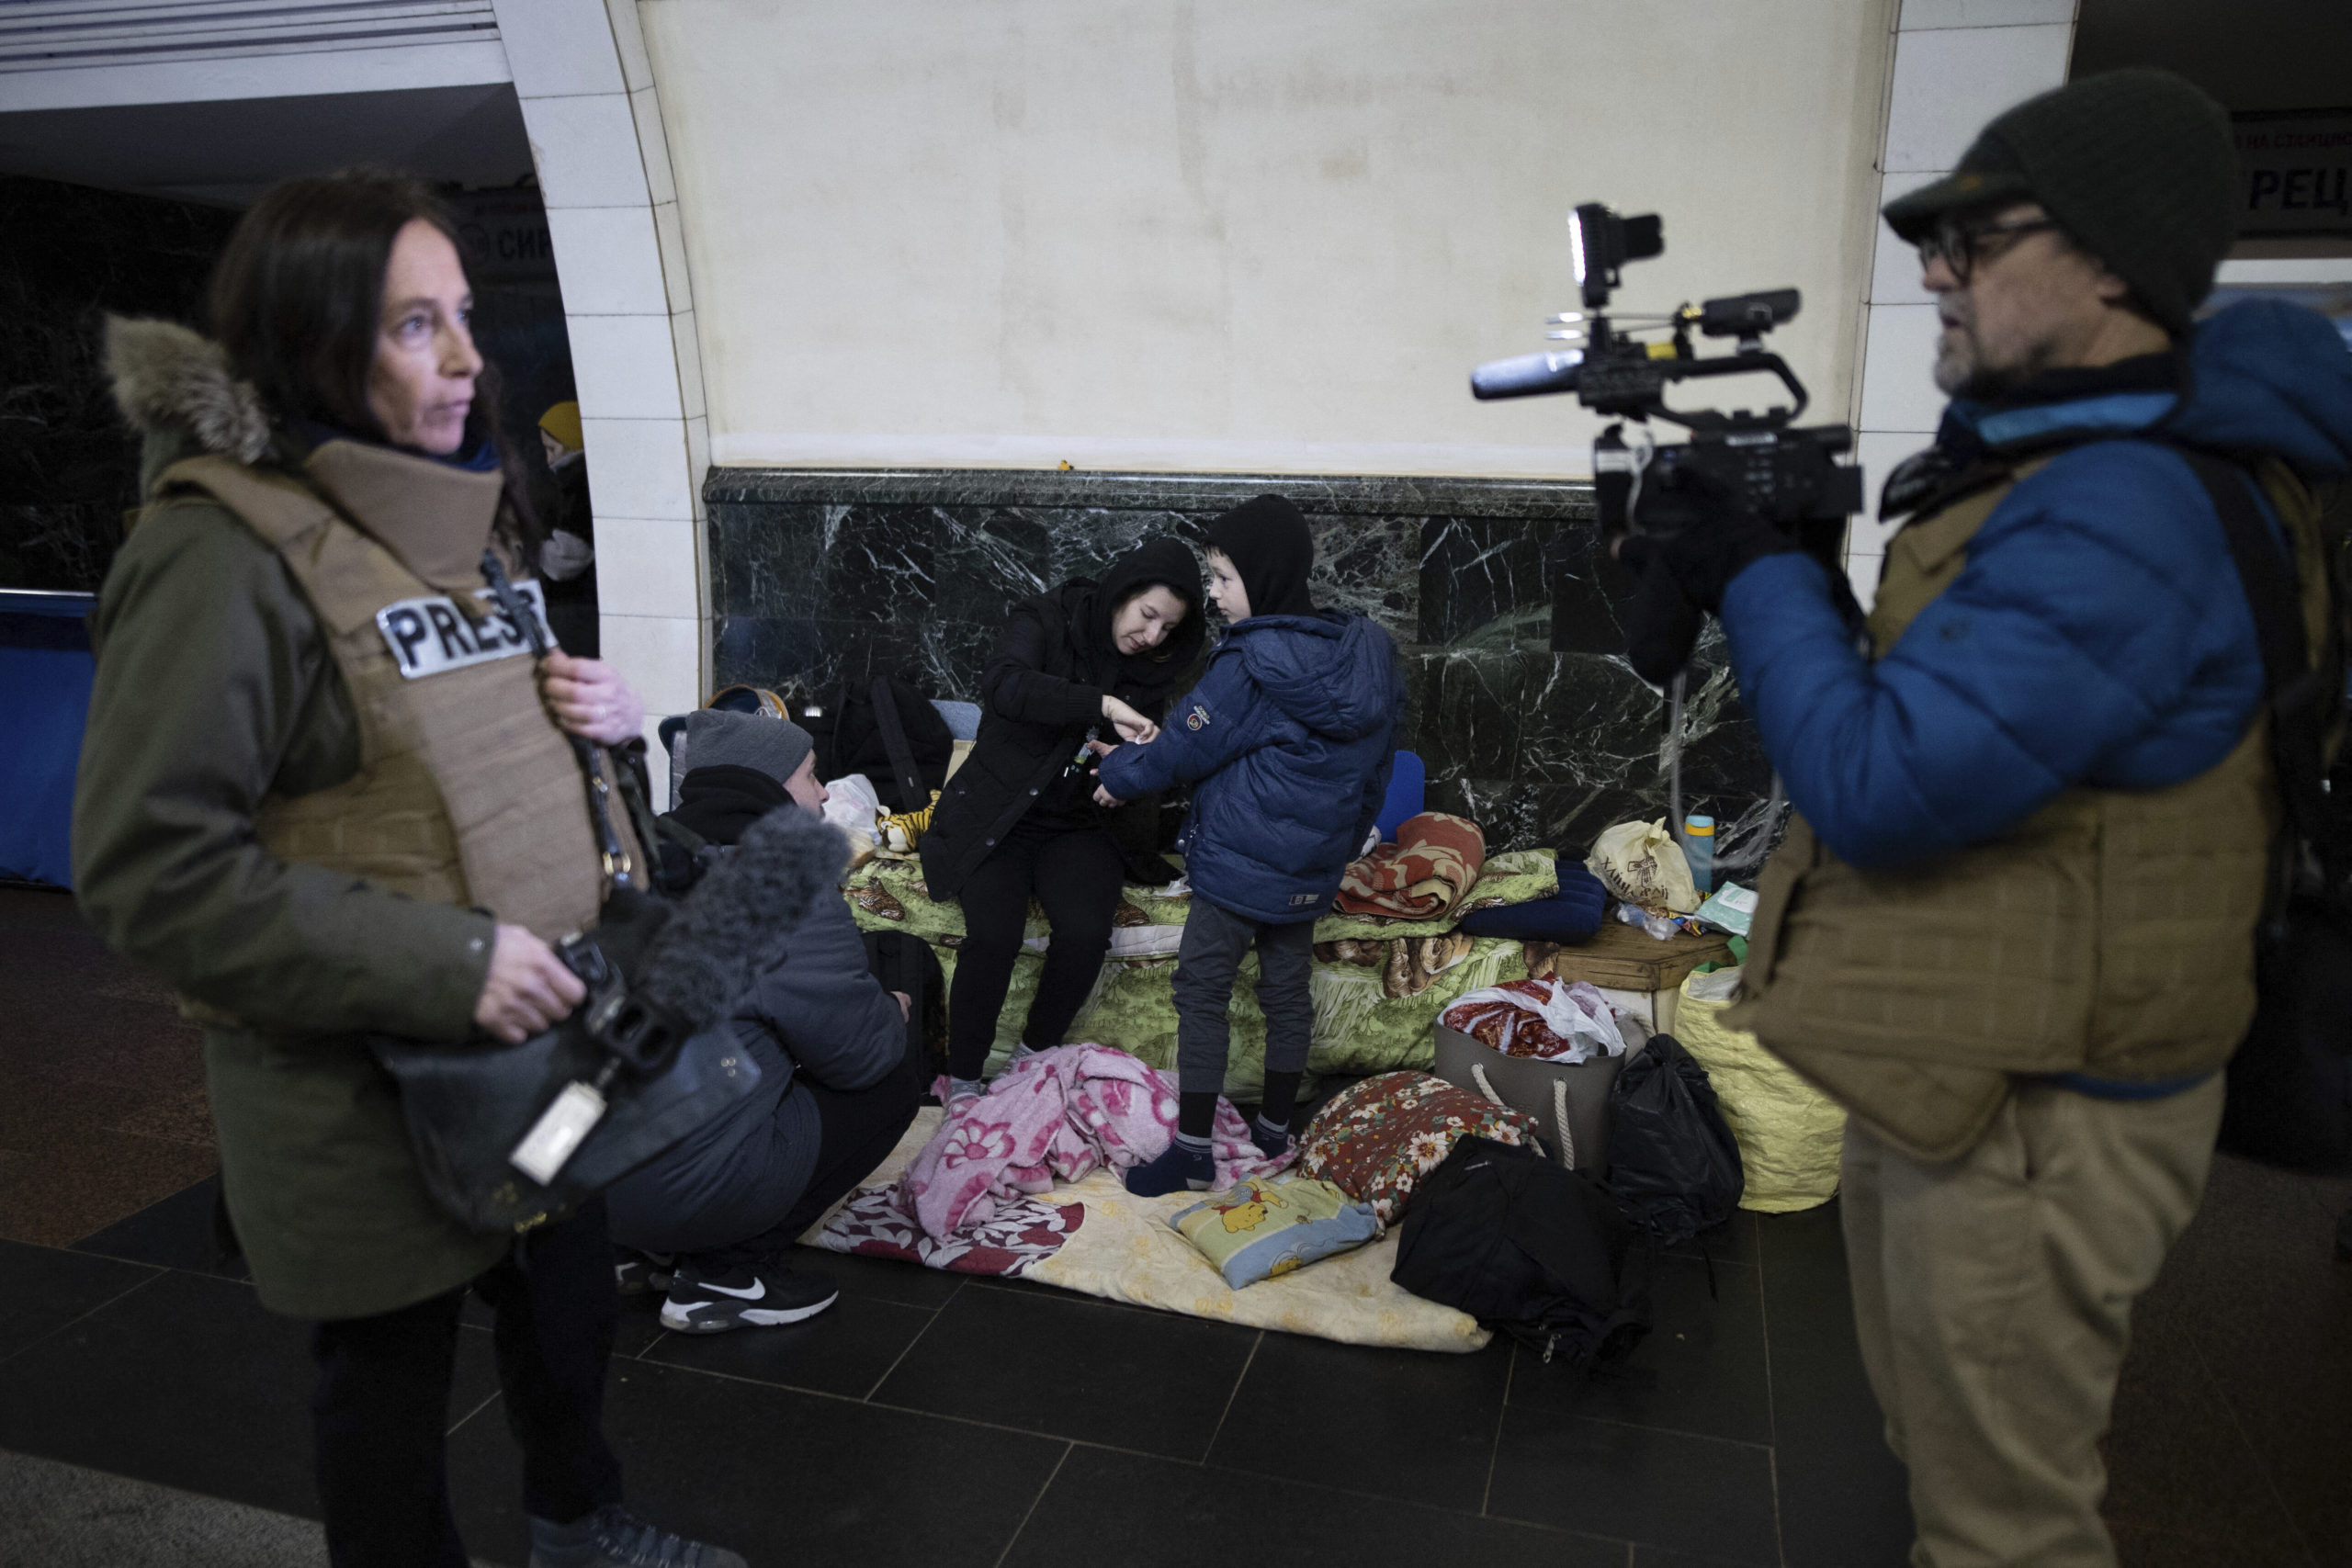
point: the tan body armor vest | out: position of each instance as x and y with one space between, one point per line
467 793
2111 932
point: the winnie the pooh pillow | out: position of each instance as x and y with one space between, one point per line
1259 1229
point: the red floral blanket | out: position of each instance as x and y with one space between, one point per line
1429 870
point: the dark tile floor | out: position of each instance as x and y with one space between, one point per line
933 1419
102 1106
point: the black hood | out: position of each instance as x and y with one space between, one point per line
1267 540
1088 606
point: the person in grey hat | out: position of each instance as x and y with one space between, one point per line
2012 928
710 1224
735 761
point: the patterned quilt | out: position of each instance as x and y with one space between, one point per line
1429 869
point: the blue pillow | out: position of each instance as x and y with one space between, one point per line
1406 783
1573 914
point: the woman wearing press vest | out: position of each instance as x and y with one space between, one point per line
1091 661
317 825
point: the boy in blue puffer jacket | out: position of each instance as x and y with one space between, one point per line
1287 742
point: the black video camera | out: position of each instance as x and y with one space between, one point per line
1788 477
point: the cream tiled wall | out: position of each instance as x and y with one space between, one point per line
1957 64
589 105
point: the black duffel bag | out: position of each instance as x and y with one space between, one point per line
1529 1249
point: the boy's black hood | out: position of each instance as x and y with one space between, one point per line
1267 541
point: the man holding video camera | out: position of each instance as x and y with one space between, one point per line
2012 927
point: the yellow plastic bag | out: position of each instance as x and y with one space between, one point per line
1789 1133
1642 864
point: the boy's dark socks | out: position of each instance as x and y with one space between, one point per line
1188 1163
1271 1138
1196 1115
1280 1099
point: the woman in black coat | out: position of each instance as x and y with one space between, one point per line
1020 818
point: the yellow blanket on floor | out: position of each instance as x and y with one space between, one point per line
1126 1251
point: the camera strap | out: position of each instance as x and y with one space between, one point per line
619 870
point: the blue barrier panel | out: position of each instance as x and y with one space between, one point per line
45 673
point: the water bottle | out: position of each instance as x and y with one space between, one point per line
1699 849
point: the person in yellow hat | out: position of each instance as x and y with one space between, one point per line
567 560
560 435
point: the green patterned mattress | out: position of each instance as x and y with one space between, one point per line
1362 1023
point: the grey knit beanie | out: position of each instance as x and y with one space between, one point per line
771 746
2137 166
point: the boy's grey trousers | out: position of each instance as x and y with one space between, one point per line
1214 943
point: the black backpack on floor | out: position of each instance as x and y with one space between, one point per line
1673 1164
1529 1250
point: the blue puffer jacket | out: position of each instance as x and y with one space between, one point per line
2096 635
1287 742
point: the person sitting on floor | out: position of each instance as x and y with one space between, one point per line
840 1075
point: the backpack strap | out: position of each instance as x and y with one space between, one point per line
894 738
2298 689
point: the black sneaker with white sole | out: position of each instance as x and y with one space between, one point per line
712 1303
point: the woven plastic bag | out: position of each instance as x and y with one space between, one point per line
1789 1133
1642 864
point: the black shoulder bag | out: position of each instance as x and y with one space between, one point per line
508 1135
2290 1082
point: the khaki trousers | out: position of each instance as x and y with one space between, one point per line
1993 1295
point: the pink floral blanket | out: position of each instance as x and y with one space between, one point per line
1051 1118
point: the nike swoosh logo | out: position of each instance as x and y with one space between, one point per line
759 1288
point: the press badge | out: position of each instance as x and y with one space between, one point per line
430 636
558 1132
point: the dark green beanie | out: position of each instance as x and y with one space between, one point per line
2136 166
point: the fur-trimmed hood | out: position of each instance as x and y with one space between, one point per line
177 388
168 378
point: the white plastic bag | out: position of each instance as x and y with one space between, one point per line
1579 1014
1642 864
852 805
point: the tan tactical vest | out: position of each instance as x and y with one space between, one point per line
2111 932
467 790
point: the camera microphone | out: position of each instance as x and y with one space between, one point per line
721 936
1527 375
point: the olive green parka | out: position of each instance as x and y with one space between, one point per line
215 692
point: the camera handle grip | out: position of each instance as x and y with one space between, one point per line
1661 622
